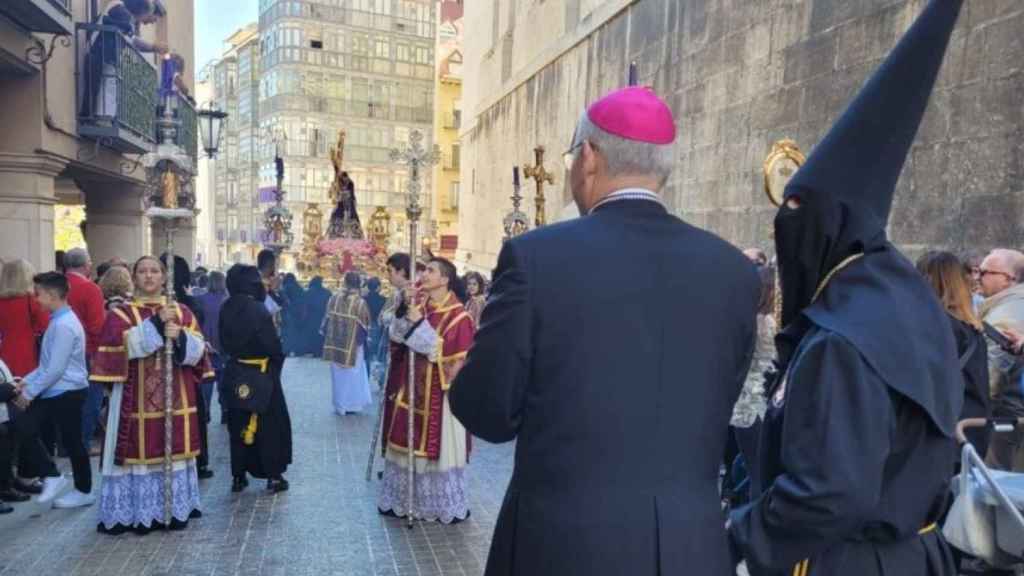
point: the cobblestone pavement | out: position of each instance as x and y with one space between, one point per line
327 524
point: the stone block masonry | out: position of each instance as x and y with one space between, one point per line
741 74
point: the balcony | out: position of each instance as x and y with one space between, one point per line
117 91
188 130
45 16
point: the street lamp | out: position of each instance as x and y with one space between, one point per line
211 120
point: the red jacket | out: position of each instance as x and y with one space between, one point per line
86 300
22 320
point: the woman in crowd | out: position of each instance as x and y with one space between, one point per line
116 284
261 444
952 283
22 323
751 404
476 288
130 360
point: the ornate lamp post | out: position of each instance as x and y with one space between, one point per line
278 219
516 222
211 120
418 159
170 203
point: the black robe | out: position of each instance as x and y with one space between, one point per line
974 368
853 472
247 331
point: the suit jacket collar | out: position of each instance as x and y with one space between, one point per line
631 200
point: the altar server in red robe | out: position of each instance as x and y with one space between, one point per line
439 331
130 359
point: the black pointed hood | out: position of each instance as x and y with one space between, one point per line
847 185
860 160
837 268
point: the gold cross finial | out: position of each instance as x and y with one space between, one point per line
540 176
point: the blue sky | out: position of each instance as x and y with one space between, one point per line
215 21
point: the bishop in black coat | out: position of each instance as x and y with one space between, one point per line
612 348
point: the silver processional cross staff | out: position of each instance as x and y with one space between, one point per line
417 158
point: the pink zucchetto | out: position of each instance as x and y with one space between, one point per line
634 113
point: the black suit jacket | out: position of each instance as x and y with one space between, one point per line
613 347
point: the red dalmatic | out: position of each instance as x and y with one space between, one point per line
455 328
140 434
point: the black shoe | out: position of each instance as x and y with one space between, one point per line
278 485
5 509
34 487
205 473
12 496
239 484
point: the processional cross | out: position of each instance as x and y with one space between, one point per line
540 176
418 159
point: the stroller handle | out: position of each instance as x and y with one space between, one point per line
998 425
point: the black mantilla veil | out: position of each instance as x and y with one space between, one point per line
837 268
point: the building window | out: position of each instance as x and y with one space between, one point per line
402 52
455 157
382 48
422 55
453 196
360 44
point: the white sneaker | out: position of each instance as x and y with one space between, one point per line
52 486
74 499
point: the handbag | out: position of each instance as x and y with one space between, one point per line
250 383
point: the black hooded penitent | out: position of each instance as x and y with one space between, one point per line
845 193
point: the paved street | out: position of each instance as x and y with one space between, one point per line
326 525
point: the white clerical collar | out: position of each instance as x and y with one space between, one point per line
629 194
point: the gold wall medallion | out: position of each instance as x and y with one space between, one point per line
780 166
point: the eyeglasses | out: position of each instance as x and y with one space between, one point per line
982 273
569 157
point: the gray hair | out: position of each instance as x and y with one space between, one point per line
1014 260
76 258
627 157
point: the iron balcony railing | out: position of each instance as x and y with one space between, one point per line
117 90
188 130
